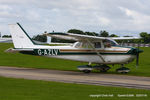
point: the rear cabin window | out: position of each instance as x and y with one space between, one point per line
87 45
97 44
78 45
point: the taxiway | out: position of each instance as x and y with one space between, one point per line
76 77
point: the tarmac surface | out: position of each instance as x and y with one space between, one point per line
76 77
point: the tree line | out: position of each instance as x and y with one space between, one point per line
6 36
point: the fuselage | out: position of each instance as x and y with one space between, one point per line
112 55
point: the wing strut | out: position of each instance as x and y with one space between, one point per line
100 56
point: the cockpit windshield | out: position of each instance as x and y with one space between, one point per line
108 43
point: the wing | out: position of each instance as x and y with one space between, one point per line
124 38
76 37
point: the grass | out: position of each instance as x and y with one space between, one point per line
23 60
20 89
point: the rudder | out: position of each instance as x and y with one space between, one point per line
20 38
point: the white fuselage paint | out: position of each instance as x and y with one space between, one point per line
109 59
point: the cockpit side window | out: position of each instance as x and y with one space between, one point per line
78 45
97 44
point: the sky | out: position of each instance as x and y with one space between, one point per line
121 17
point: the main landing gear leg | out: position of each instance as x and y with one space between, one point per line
102 68
123 69
88 68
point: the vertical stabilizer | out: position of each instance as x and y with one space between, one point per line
20 38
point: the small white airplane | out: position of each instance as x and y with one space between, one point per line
102 51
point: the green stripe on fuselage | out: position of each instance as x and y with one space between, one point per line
55 52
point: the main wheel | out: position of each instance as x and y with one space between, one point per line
123 70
